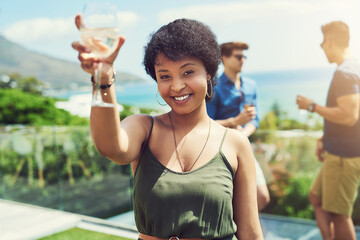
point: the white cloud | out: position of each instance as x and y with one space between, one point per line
286 30
42 29
47 29
224 14
127 20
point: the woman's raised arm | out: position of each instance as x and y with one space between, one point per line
120 143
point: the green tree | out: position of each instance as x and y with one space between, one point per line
289 197
269 122
27 84
276 109
277 119
30 85
18 107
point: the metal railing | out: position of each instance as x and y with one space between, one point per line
59 168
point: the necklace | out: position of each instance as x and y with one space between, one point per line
176 151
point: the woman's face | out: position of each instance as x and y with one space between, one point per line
182 84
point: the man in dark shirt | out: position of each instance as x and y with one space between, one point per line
334 190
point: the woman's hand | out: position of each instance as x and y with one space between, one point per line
88 61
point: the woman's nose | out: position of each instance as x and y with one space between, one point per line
177 84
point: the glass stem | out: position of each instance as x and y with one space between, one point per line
97 93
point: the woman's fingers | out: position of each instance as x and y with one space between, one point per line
80 48
85 57
85 52
79 21
88 61
116 52
88 66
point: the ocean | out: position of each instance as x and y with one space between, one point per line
283 86
280 86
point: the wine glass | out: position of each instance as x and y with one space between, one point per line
100 33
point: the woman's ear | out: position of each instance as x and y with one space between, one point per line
208 77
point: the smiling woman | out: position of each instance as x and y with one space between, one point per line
193 178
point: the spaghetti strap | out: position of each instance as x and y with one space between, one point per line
151 128
222 141
146 143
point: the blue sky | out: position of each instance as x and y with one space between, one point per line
282 34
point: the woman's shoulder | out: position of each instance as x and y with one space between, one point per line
237 141
234 145
137 119
233 138
144 120
138 123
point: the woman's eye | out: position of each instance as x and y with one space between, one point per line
189 72
164 77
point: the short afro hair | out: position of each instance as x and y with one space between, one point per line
184 38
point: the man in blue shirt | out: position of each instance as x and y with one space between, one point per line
233 89
234 104
333 192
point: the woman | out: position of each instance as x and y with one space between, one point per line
193 178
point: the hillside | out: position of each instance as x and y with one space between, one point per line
54 72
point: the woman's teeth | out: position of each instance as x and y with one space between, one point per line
181 98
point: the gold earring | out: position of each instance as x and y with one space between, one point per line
209 86
157 99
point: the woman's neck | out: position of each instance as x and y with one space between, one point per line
188 121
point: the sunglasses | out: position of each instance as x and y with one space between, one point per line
240 57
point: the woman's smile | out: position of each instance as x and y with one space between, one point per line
182 99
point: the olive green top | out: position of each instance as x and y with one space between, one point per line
195 204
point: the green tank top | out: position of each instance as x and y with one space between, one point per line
195 204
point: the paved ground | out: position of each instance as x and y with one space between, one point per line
273 227
286 228
22 221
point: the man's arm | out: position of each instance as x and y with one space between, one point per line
242 118
254 123
229 122
345 113
247 130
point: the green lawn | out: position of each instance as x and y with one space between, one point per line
81 234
